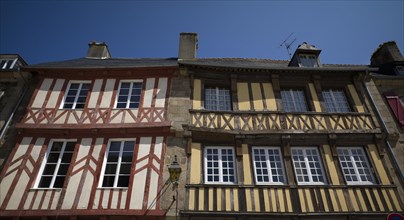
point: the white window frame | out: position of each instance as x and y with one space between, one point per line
8 64
130 93
77 95
294 97
308 60
400 70
268 165
308 168
355 167
41 169
119 163
220 167
336 104
217 91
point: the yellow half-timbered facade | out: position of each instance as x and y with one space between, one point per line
273 139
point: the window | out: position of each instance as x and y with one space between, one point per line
307 165
294 100
117 164
355 165
400 70
219 165
335 101
56 164
268 166
308 60
129 94
217 99
7 64
76 95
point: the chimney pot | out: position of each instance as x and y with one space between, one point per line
98 50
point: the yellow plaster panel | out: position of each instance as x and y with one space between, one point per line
256 200
248 200
281 201
191 199
370 200
288 200
352 198
246 165
195 174
269 96
330 164
235 199
316 102
273 200
386 198
243 97
378 164
302 200
361 200
266 200
325 203
378 200
210 199
355 97
197 100
309 200
333 200
228 200
395 200
257 96
342 200
219 199
201 199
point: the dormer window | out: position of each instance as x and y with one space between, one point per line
400 70
308 60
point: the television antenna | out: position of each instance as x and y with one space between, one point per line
287 44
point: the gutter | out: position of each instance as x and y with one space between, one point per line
7 124
389 148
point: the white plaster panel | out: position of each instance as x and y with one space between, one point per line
36 151
158 147
56 198
95 93
156 164
117 116
71 189
123 199
128 118
114 202
96 199
106 97
153 189
18 192
5 186
46 200
72 119
138 190
148 94
85 192
41 95
28 200
22 149
105 199
30 121
161 92
141 164
38 199
62 118
144 146
53 98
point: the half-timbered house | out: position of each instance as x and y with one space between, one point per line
276 139
93 140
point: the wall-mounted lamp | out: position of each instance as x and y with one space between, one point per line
175 171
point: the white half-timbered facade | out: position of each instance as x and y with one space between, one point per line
92 142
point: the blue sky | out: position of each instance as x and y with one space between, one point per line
347 31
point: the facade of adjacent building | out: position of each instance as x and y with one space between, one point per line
386 87
14 85
93 140
273 139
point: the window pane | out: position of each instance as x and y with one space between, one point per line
129 95
219 164
335 101
217 99
354 164
294 101
307 165
76 96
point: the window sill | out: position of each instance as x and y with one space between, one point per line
112 188
45 189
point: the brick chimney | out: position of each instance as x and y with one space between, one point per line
188 46
98 51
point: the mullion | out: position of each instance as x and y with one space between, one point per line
57 164
129 95
77 96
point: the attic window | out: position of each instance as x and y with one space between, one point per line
308 60
7 64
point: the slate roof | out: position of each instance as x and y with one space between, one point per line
251 63
87 63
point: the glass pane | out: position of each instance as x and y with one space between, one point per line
108 181
123 181
59 182
45 182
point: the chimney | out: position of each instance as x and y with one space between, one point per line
98 51
188 45
386 53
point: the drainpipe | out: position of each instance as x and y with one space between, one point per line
389 148
5 126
